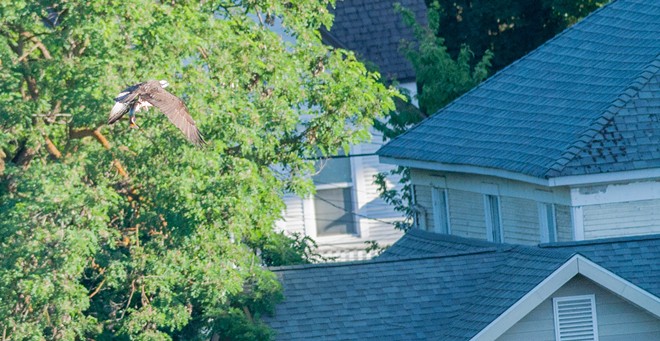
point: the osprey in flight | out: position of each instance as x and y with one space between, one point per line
152 93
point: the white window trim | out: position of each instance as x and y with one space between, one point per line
489 222
543 222
438 211
594 318
310 214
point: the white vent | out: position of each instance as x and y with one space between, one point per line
575 318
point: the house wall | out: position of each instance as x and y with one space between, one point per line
520 219
467 215
564 224
619 209
374 218
617 318
518 205
622 219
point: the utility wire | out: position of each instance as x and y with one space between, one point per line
353 213
338 156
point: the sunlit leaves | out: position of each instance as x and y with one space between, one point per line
171 250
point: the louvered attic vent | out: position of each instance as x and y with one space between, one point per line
575 318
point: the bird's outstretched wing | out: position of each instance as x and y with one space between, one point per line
176 112
123 102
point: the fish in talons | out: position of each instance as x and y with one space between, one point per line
152 93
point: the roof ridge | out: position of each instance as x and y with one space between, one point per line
481 292
499 73
392 259
605 118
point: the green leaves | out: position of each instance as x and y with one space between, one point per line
111 232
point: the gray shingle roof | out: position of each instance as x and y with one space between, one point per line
441 292
585 102
374 31
634 258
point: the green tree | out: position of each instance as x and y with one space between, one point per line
117 233
509 28
440 79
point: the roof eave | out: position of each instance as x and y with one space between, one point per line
470 169
570 180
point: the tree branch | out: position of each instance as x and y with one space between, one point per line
37 42
97 289
50 146
96 133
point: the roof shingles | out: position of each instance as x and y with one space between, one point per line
542 113
374 30
432 286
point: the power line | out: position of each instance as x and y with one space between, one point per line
338 156
353 213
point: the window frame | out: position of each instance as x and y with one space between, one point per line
547 212
349 210
493 233
440 205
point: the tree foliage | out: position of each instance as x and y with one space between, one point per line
116 233
440 79
509 28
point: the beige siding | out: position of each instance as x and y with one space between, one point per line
622 219
617 318
520 220
467 217
564 224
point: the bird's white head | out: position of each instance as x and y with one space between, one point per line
164 83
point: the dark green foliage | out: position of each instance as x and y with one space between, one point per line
509 28
117 233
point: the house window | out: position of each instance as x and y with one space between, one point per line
333 211
548 222
334 202
493 219
575 318
440 210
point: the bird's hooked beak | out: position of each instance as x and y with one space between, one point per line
164 84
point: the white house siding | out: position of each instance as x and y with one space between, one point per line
621 219
518 204
467 215
520 220
294 216
617 318
374 217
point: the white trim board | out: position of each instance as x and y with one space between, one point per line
615 193
634 175
574 266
